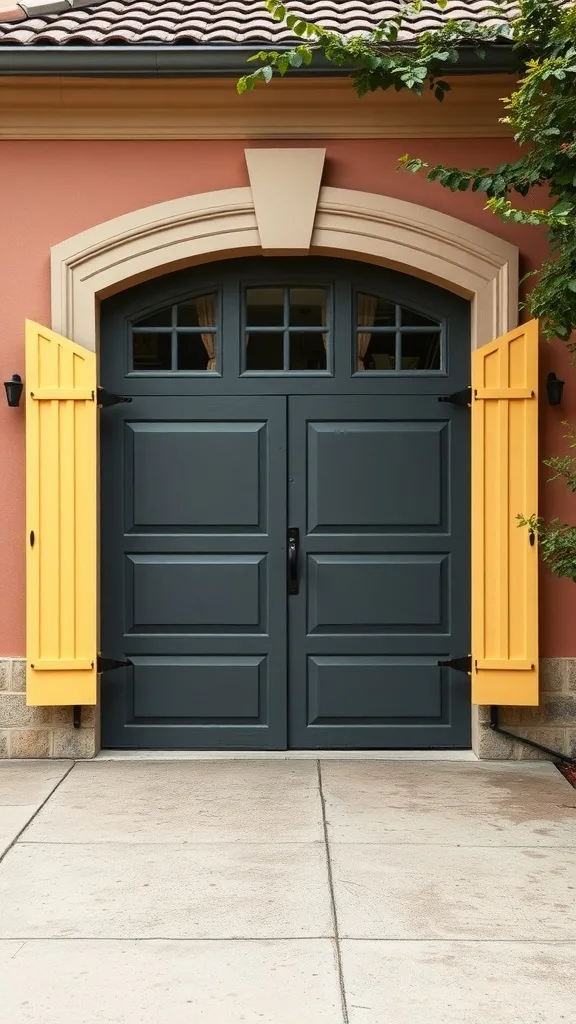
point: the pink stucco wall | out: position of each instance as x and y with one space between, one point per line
51 190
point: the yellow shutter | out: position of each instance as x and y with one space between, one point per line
505 483
61 519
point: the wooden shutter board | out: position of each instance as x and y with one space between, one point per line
61 486
504 484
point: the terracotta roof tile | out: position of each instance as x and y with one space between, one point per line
202 22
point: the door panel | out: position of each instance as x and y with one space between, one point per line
167 460
379 490
217 688
220 591
344 478
377 593
193 540
384 688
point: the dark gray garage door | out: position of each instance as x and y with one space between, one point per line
284 510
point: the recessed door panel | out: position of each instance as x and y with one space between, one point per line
207 691
196 476
376 476
225 593
378 593
373 691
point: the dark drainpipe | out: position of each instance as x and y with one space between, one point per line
494 724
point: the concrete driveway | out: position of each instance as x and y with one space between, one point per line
286 892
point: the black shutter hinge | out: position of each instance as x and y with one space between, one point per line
106 398
109 664
463 397
458 664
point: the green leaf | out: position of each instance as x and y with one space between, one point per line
562 207
453 181
261 55
295 58
436 173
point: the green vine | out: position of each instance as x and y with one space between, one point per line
541 113
557 540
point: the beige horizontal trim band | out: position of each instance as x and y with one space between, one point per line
292 108
51 666
483 394
62 395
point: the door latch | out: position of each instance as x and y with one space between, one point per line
106 398
463 397
458 664
109 664
293 546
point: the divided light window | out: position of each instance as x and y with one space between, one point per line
179 338
392 337
286 329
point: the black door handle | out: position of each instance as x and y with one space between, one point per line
293 546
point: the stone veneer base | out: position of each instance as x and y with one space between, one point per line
40 732
32 732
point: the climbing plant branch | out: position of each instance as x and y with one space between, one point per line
557 539
541 113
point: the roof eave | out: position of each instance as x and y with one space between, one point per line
195 61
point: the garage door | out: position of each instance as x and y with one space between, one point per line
284 510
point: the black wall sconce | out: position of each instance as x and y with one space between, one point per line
554 388
14 390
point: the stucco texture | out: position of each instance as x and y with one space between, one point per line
54 189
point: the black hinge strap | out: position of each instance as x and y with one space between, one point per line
109 664
458 664
106 398
463 397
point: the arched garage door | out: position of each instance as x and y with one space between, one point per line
285 509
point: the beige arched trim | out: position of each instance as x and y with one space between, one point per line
217 225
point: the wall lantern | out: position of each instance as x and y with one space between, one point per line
14 390
554 387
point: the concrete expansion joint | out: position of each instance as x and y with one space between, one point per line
36 811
